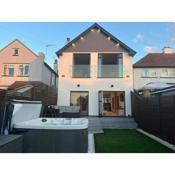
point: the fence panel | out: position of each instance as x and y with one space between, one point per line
2 95
155 115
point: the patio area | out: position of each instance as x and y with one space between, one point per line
97 124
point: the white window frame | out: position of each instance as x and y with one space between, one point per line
22 73
149 73
168 72
8 66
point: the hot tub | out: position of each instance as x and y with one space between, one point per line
54 135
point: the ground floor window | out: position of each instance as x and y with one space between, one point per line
111 103
81 99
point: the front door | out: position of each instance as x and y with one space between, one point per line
80 99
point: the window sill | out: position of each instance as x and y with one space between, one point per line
80 77
22 76
7 75
168 77
149 77
110 77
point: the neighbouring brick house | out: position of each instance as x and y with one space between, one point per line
19 63
23 72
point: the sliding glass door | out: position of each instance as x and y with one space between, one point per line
111 103
81 99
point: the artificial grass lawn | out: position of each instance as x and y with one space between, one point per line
126 141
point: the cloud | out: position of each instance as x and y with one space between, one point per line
139 37
150 49
171 33
171 27
172 40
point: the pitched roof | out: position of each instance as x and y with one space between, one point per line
17 40
156 60
97 26
53 71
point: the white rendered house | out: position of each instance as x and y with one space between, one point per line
155 67
95 73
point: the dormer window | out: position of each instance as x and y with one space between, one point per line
16 52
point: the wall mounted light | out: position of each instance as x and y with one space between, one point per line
117 44
82 38
98 30
109 38
92 30
73 44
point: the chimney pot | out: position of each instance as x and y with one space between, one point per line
67 40
167 50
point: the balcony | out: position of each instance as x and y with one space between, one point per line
81 71
110 71
100 71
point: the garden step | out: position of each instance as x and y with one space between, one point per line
119 123
96 124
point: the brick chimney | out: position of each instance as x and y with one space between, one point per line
41 56
167 50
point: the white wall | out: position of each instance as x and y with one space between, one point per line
139 81
35 70
93 84
39 72
46 75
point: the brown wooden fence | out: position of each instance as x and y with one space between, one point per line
155 115
41 92
2 95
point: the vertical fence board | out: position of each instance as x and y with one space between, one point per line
155 114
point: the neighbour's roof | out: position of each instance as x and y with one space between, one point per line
20 84
167 89
17 40
50 69
97 26
156 60
155 85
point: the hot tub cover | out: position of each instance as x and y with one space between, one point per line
54 123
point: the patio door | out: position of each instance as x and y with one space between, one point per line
100 102
111 103
81 99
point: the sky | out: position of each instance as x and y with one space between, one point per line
49 37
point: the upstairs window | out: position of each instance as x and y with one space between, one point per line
5 69
23 70
81 66
110 65
168 73
149 73
16 52
9 70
